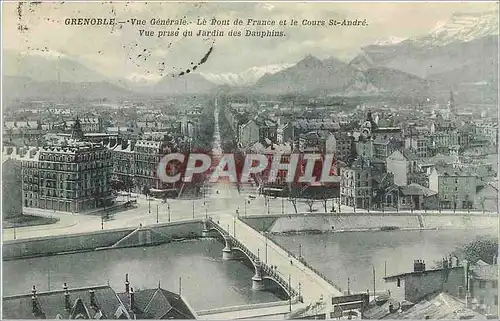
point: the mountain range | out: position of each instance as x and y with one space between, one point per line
461 54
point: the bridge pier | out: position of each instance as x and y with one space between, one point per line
227 252
206 231
257 281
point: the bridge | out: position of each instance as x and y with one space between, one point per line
271 262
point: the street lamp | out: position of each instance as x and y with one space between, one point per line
157 206
193 209
266 249
149 204
168 207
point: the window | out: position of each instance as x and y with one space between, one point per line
399 282
495 301
494 284
481 300
482 284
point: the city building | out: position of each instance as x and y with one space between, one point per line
488 131
73 177
88 125
343 146
147 156
97 302
257 130
123 156
68 175
487 197
484 287
356 184
403 164
12 192
443 141
414 286
417 197
456 188
419 145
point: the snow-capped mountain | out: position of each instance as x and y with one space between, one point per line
461 28
47 65
390 41
464 40
247 77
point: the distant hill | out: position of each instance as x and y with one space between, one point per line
47 66
334 77
24 88
185 84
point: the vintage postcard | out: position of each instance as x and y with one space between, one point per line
249 160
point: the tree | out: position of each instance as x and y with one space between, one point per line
482 248
294 195
324 201
310 203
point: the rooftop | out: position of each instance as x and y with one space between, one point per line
485 272
51 305
438 306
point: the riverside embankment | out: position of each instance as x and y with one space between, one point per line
278 224
104 239
350 222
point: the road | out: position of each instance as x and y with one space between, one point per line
312 286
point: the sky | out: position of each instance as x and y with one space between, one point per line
114 51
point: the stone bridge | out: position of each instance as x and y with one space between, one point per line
234 249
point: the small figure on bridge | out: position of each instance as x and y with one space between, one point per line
291 262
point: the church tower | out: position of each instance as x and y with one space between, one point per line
451 104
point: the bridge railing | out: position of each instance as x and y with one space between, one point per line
303 261
267 269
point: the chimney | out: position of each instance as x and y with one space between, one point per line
67 305
418 266
127 285
93 301
132 299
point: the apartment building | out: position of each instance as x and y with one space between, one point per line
456 188
356 184
69 176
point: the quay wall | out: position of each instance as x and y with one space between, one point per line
345 222
105 239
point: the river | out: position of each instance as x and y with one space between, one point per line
209 282
353 255
206 280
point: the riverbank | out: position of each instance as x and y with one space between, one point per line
319 223
101 240
28 220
